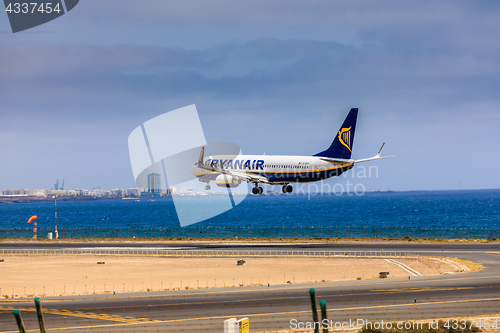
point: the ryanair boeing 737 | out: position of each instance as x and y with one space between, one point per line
230 171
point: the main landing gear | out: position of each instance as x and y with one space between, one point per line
287 188
257 189
207 187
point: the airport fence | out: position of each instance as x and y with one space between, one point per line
204 232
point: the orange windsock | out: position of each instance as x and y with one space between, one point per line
33 218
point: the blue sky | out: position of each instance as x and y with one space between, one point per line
275 77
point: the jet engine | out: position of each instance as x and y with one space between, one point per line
227 181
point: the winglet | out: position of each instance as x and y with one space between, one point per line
380 150
202 155
376 157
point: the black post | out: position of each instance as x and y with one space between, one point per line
19 320
322 304
39 313
314 309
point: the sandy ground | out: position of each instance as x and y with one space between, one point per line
29 276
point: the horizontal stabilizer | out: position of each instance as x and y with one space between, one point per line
336 160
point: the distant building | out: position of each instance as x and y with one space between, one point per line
41 192
98 192
154 184
61 193
154 189
187 191
133 192
82 192
118 193
18 192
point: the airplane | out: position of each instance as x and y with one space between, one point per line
230 171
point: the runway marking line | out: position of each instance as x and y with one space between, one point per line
83 314
147 321
429 289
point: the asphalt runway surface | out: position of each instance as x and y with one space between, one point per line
276 308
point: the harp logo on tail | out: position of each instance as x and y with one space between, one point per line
345 137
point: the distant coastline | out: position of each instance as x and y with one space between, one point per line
34 198
37 198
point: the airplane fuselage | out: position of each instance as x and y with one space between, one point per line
276 168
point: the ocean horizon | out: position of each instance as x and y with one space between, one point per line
430 209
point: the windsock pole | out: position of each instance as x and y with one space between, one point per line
33 219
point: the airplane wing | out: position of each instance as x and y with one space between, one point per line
376 157
248 177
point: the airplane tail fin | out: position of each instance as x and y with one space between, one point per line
341 146
202 156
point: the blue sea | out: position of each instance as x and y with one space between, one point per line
429 209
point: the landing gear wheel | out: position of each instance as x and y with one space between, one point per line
257 190
207 187
283 189
287 189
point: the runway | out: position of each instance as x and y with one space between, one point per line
464 294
